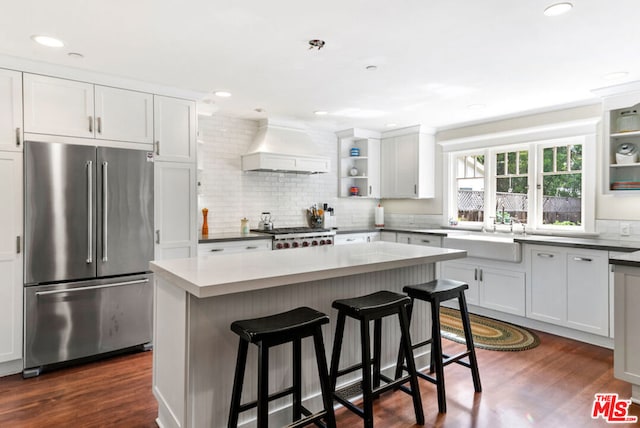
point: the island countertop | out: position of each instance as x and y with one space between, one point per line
216 275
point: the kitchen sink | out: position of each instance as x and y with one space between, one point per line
486 246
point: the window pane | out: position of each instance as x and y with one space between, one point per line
470 186
576 157
562 199
500 164
511 163
503 185
524 162
547 159
561 159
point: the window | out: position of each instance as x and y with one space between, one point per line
561 193
541 184
470 187
512 186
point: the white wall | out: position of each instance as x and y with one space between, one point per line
230 193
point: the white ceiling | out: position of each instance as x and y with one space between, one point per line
434 58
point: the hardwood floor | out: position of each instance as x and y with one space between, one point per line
552 385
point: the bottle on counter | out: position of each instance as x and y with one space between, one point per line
244 226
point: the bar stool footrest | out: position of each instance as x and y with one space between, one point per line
253 404
309 419
447 359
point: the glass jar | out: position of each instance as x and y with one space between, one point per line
244 226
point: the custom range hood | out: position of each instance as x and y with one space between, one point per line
284 148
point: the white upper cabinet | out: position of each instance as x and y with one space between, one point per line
10 110
175 129
407 164
123 115
78 109
58 106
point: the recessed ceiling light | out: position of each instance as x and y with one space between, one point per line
615 75
371 67
558 9
75 55
48 41
476 106
222 94
321 113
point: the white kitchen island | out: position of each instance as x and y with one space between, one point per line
197 299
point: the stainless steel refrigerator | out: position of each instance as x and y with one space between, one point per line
88 243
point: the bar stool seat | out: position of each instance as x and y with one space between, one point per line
266 332
373 307
436 292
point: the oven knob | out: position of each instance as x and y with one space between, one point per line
295 245
314 242
286 245
328 241
279 245
305 243
322 242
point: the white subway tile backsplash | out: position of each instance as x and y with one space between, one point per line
231 194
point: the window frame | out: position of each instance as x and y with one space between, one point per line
535 178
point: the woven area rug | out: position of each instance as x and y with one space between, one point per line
487 333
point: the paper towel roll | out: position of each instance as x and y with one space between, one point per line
379 216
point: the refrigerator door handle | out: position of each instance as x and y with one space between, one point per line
105 210
89 212
92 287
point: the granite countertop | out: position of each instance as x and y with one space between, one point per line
558 241
207 275
630 259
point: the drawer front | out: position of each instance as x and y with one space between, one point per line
228 247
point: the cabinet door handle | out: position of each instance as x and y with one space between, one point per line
158 147
415 189
158 236
475 274
99 127
18 246
251 248
426 241
91 124
350 239
213 250
480 274
546 255
18 142
582 259
370 192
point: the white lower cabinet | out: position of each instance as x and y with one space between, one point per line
489 287
419 239
11 286
388 236
228 247
175 210
569 287
626 364
356 238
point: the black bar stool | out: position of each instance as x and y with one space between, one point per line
435 292
266 332
373 307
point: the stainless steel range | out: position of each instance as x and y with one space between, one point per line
299 237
